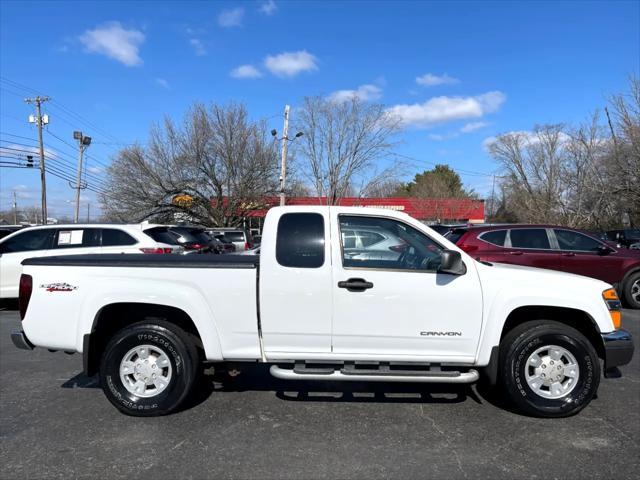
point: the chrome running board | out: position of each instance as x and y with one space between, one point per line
370 375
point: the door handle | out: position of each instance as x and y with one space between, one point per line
515 253
568 254
355 284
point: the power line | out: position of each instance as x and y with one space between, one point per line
58 157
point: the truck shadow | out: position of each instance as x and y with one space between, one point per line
258 378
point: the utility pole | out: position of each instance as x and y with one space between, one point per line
83 143
88 212
39 121
15 209
283 165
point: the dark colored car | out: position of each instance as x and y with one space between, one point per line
555 248
8 230
625 237
193 239
222 244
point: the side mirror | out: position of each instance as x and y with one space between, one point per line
451 262
604 250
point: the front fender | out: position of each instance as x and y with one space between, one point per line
507 300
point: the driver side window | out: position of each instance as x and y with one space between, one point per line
397 246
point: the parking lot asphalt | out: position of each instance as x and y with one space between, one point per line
56 423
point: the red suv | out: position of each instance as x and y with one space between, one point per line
555 248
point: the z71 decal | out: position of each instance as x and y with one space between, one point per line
58 287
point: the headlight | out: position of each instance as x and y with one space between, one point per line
613 304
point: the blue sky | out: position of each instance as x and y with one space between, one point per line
457 72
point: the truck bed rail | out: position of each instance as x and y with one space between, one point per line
148 261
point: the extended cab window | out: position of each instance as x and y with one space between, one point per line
76 238
300 240
530 238
398 246
112 237
574 241
28 241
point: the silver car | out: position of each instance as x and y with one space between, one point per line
370 243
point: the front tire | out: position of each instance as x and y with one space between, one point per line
149 369
631 290
548 369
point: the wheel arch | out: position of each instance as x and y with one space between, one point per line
572 317
112 317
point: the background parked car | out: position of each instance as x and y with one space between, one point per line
555 248
626 237
635 246
50 240
6 230
192 239
240 238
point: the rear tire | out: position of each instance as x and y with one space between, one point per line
631 290
149 369
548 369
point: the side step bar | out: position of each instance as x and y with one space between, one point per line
367 375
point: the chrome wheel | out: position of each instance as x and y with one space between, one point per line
552 372
145 371
635 290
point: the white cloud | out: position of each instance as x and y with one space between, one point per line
246 71
198 47
163 83
438 137
269 7
431 80
231 18
290 64
363 92
95 170
114 41
444 109
473 126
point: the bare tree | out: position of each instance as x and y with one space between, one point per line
343 143
212 169
583 176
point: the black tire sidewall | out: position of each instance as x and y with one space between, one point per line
627 290
531 402
175 349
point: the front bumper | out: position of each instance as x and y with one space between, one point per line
618 348
21 341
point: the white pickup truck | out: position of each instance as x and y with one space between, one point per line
352 294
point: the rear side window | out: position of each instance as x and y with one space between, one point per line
495 238
28 241
300 240
454 235
530 238
234 236
162 235
112 237
568 240
76 238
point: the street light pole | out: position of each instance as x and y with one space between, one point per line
283 162
39 120
83 142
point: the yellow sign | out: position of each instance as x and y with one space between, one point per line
182 200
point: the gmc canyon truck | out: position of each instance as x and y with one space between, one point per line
336 294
